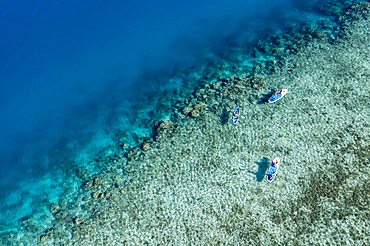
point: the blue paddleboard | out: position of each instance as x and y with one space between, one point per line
271 174
236 119
278 95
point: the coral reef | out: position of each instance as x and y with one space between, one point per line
199 180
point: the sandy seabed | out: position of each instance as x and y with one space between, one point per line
203 180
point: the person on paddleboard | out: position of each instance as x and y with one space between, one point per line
236 114
282 91
275 163
278 94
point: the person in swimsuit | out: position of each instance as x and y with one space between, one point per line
278 92
275 164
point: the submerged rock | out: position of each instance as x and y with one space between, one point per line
95 195
167 124
146 146
187 110
54 208
63 204
79 221
43 238
195 113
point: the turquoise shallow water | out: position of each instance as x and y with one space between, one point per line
197 179
70 70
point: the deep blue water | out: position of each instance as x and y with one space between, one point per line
62 60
